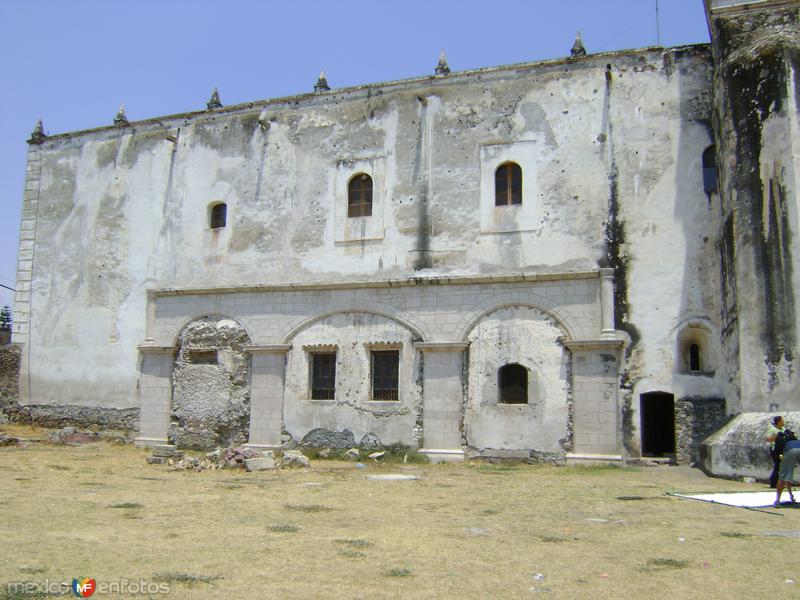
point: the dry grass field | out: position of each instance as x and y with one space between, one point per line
460 531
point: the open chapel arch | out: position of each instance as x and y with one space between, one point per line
210 385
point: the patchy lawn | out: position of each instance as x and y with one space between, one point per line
460 531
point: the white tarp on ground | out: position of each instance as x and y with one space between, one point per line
743 499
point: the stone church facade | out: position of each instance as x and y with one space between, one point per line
538 260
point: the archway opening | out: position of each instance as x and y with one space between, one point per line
657 411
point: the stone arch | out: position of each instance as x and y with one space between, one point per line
510 300
210 403
531 338
352 338
171 335
419 329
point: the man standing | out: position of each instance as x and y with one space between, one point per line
774 429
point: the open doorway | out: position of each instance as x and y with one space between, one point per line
657 411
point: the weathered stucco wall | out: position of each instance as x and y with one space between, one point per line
610 147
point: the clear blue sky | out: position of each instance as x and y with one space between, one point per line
73 62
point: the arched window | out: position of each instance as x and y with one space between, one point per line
359 196
710 169
512 383
508 184
694 351
218 216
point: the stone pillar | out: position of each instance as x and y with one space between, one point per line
597 424
268 368
155 394
443 399
607 304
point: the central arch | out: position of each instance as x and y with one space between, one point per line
503 345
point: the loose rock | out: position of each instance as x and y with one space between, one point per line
259 464
295 458
370 441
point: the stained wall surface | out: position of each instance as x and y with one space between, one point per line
117 249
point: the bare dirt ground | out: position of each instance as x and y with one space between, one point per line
460 531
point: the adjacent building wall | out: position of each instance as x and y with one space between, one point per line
756 104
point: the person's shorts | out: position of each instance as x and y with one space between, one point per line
790 458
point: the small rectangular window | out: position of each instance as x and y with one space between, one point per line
323 375
385 367
203 357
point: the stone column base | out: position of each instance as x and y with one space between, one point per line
263 446
436 455
149 442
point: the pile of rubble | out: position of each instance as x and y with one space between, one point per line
228 458
7 440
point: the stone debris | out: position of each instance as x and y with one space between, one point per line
352 454
6 440
295 458
73 435
376 455
230 458
370 441
259 464
218 459
167 451
324 453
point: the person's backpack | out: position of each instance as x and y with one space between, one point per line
783 437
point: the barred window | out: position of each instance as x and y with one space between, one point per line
359 196
512 382
323 375
385 367
508 184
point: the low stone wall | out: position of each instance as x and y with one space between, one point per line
80 416
10 355
695 419
739 449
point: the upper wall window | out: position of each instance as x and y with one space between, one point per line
508 184
218 216
359 196
512 383
710 170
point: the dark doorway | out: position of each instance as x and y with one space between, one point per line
657 411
